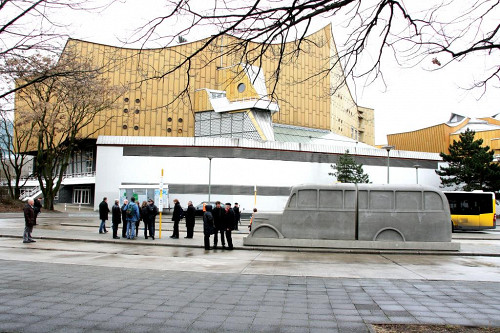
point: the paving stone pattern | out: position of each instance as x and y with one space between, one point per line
40 297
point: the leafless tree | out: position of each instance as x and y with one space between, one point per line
58 111
13 161
436 32
32 26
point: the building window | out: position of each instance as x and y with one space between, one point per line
169 119
124 126
180 120
137 111
125 110
137 100
241 87
81 196
126 99
169 130
136 127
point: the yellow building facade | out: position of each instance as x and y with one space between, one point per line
437 139
166 88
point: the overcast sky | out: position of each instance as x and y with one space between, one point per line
413 98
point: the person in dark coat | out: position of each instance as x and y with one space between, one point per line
151 212
229 224
103 215
145 218
29 221
124 218
190 219
218 214
37 206
237 216
208 226
116 218
176 217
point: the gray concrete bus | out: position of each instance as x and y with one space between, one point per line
362 212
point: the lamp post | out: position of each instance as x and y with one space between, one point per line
416 166
388 148
209 176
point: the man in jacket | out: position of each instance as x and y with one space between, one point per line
237 215
29 221
103 215
150 217
190 219
208 226
176 217
229 224
37 207
132 212
116 218
218 214
124 218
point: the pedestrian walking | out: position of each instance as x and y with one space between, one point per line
190 219
132 217
176 217
237 216
103 215
208 226
124 218
218 214
229 224
116 218
152 211
29 221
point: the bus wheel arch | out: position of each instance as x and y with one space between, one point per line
266 231
389 234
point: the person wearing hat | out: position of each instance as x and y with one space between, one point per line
229 224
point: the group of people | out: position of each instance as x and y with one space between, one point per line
220 220
31 210
130 214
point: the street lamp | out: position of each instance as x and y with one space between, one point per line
388 148
209 176
416 166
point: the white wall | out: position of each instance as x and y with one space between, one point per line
113 169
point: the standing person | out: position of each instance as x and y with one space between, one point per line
116 218
218 214
251 219
144 216
139 220
176 217
237 216
152 211
103 215
208 226
132 217
229 224
37 207
29 221
124 218
190 219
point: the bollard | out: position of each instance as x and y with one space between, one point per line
64 207
79 206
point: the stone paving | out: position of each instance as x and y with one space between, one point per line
41 297
75 280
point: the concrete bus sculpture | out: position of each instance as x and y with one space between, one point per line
364 216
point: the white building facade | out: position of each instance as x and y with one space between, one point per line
252 173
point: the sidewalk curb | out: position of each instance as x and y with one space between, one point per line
271 249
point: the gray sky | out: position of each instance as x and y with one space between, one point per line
413 98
